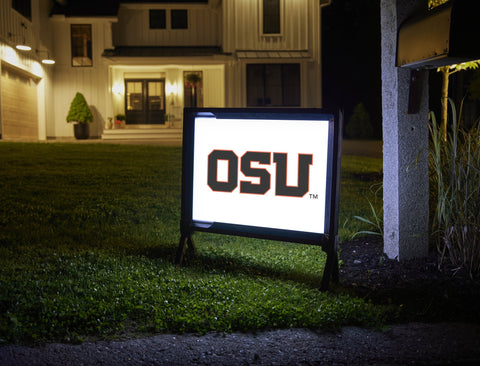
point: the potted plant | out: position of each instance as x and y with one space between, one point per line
120 120
81 115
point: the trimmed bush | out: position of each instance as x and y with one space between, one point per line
359 125
79 110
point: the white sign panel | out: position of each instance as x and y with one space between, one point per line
263 173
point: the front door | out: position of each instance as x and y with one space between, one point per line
145 101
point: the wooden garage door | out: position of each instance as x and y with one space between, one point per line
19 105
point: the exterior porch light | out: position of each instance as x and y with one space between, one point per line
172 92
172 89
118 89
23 47
22 44
46 60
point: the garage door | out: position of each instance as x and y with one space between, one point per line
19 119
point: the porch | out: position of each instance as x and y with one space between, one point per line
145 132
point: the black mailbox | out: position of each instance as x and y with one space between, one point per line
446 35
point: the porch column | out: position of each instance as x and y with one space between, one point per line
405 139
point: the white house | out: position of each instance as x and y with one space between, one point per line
148 60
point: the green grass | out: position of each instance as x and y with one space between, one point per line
361 185
88 234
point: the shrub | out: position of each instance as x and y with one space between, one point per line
455 186
359 125
79 110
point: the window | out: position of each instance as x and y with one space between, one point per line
81 45
156 95
273 85
134 95
24 7
158 19
271 17
179 19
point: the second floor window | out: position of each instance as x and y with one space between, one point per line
179 19
24 7
158 19
271 16
81 44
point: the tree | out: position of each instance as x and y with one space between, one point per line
446 72
434 3
359 125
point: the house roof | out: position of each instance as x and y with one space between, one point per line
89 8
164 1
159 51
85 8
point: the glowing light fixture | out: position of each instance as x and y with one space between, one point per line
22 44
46 60
118 88
23 47
172 89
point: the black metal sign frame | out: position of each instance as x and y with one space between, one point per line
328 240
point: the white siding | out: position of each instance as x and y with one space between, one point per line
242 25
213 87
92 81
36 31
37 34
300 31
133 28
11 23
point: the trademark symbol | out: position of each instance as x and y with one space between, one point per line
313 196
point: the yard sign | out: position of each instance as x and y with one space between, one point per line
264 173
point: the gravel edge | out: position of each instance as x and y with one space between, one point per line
401 344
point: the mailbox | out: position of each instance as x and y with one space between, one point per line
446 35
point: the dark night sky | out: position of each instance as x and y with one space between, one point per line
351 57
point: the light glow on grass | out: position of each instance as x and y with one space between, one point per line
88 234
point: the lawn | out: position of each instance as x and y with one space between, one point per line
88 234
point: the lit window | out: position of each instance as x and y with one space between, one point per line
158 19
81 45
179 19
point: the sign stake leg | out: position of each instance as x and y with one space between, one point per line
331 271
186 242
